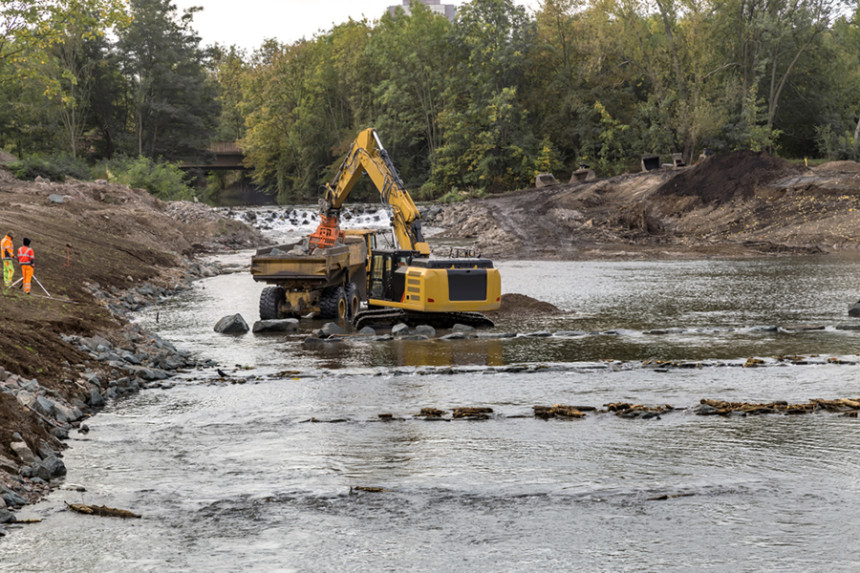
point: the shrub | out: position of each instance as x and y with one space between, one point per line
54 167
163 179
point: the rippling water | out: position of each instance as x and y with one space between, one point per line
261 475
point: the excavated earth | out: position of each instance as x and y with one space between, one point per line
736 205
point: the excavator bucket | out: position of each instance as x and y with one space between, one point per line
327 234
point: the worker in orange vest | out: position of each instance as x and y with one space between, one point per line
7 251
27 260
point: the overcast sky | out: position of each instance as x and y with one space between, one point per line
247 23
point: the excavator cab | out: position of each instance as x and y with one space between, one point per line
387 279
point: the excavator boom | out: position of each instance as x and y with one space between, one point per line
367 155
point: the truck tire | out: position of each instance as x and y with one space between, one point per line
270 303
333 303
353 302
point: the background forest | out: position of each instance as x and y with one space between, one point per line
125 90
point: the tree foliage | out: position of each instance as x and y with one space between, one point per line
474 105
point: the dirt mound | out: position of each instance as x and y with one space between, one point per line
514 305
722 178
838 167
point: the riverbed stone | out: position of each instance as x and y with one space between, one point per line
854 310
455 336
367 331
426 330
6 516
315 341
465 328
399 330
279 325
331 329
232 324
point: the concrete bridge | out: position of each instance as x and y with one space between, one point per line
228 157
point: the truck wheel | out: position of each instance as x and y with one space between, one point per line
333 303
352 300
270 303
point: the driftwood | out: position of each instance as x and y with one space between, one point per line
101 510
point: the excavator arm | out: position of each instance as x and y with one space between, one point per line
367 155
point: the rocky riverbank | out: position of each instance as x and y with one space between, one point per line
103 251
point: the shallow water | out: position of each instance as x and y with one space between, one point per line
235 476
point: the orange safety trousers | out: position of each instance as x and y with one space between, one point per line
27 271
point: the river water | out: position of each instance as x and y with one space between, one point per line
258 471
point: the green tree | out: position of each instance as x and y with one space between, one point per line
173 100
229 70
409 56
487 143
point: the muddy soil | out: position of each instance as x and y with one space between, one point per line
102 234
736 205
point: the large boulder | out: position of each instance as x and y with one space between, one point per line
277 325
232 324
854 310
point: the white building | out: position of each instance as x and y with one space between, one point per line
446 10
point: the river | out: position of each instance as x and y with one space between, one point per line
263 470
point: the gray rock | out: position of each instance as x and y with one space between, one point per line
399 330
23 451
12 499
426 330
8 465
463 328
413 337
65 414
54 466
54 198
331 329
7 516
131 358
149 374
60 433
497 335
281 325
367 331
455 336
232 324
316 341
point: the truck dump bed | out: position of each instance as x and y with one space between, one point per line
275 265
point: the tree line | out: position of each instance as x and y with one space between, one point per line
481 104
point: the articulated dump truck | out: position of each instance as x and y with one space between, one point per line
326 283
339 269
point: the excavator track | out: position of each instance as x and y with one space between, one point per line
388 317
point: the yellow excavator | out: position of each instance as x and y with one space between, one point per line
405 284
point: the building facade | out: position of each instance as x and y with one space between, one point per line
447 10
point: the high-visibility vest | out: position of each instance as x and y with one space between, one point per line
26 255
7 248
